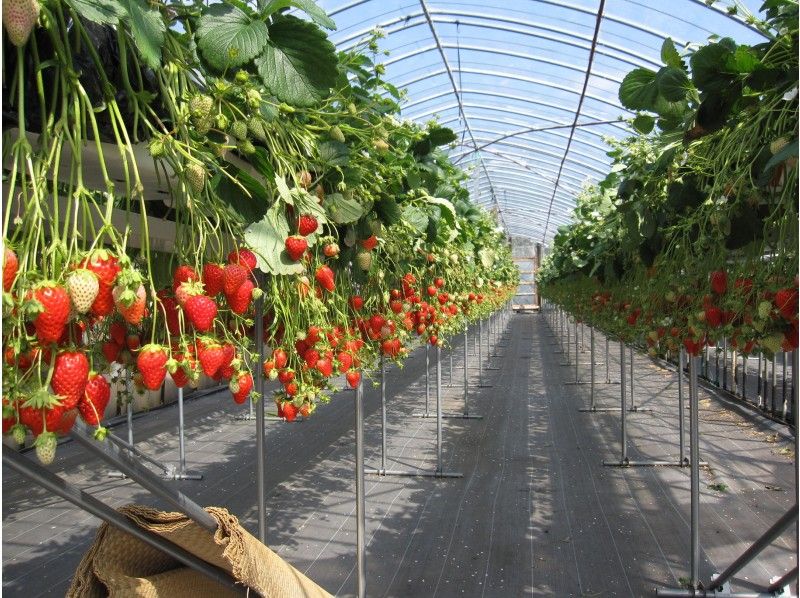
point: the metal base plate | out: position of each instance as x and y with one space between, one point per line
447 416
414 474
572 382
635 409
187 475
597 409
629 463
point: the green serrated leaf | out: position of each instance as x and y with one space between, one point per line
388 210
669 55
267 240
643 123
333 153
229 37
673 83
283 190
105 12
305 203
299 62
307 6
341 209
416 218
447 209
441 136
147 29
638 90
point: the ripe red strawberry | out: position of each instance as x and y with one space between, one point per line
152 363
285 376
213 279
105 266
111 351
52 320
243 257
311 357
211 357
369 243
235 275
269 367
10 265
228 354
245 385
201 311
92 405
325 278
439 282
132 310
239 301
325 367
118 331
719 282
37 418
280 358
714 316
289 408
183 273
786 302
396 306
295 246
306 225
432 290
133 342
345 361
19 18
70 373
356 302
305 409
353 378
433 339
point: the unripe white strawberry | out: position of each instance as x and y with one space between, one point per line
46 447
19 17
196 177
83 287
364 259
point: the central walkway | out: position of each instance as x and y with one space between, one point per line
535 513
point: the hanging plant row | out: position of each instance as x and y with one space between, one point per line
278 170
693 236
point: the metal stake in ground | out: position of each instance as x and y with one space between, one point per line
681 436
182 474
634 408
623 431
260 427
480 357
592 406
361 546
694 449
426 413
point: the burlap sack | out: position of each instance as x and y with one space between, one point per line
117 564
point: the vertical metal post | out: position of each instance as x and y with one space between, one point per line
633 399
466 362
480 352
624 408
383 414
450 377
427 376
724 364
260 427
567 345
583 346
591 368
438 410
735 373
181 442
773 385
795 411
784 398
744 375
759 390
694 448
716 364
361 547
576 350
681 434
129 417
608 376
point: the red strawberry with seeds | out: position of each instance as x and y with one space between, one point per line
97 394
353 378
70 372
211 357
239 302
118 332
280 358
243 257
152 363
10 267
295 246
235 276
213 279
111 351
52 320
369 243
356 302
325 367
132 311
719 282
245 385
228 354
325 278
201 311
289 408
37 418
785 301
345 361
285 376
306 225
183 273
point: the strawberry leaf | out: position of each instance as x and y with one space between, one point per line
266 238
307 6
228 37
147 28
298 64
104 12
343 210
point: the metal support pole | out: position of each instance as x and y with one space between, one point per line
383 414
724 364
744 375
682 459
779 584
623 431
694 449
130 421
592 406
576 350
182 474
361 547
52 483
120 459
784 398
773 386
608 376
634 408
480 357
427 375
438 410
759 394
260 426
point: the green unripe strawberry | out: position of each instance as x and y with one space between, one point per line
253 98
203 125
239 130
196 177
46 444
764 309
246 147
336 134
18 433
156 147
256 128
200 106
222 122
242 77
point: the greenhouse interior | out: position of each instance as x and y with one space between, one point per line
408 298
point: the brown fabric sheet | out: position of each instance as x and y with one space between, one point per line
117 564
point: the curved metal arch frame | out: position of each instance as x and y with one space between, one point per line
495 94
526 194
499 52
522 160
571 185
516 77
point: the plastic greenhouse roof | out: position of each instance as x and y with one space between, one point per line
529 86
